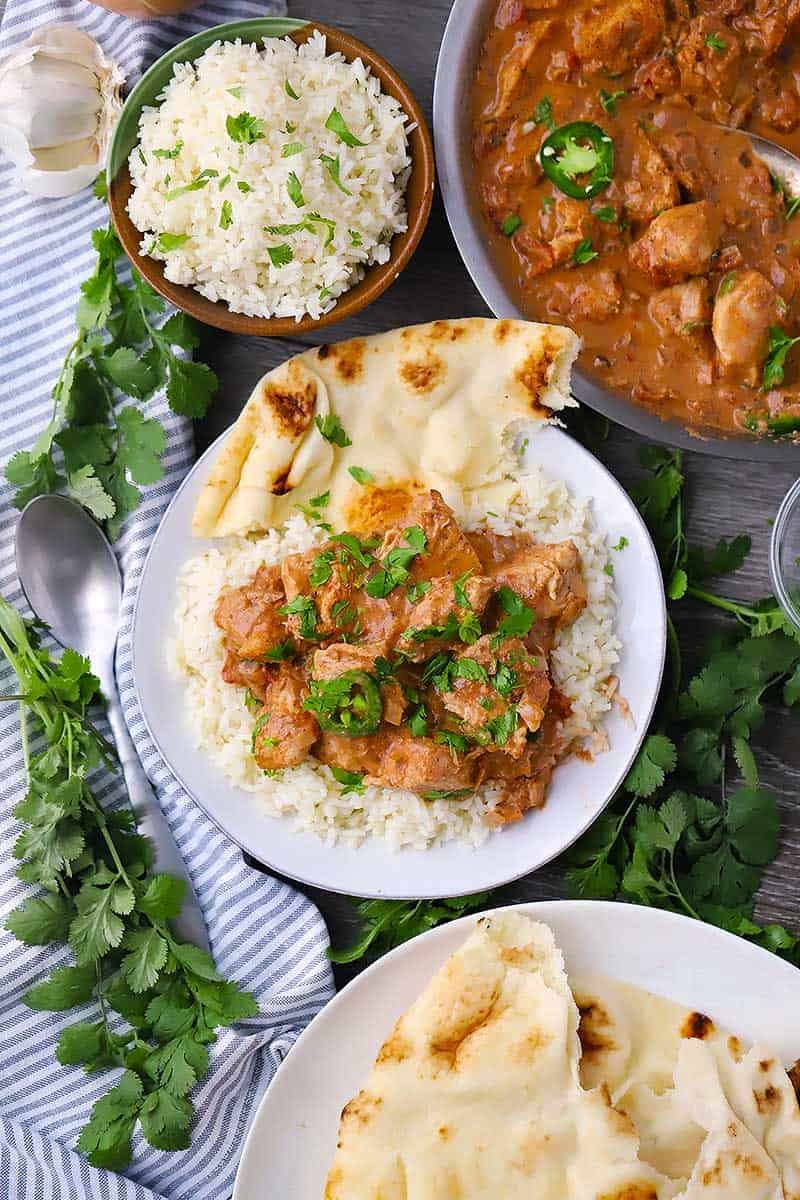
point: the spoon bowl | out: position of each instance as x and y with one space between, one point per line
70 576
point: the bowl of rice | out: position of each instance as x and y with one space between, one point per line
270 176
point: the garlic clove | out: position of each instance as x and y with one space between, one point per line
59 103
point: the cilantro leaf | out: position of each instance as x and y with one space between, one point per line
352 781
245 128
656 759
63 989
388 923
165 1120
84 486
106 1139
41 919
336 123
331 429
191 387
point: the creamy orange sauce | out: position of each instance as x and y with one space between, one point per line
683 69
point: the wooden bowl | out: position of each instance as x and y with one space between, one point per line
419 191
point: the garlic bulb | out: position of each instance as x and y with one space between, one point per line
59 103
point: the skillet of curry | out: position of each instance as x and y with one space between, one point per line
680 269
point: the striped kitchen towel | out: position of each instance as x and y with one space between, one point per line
263 933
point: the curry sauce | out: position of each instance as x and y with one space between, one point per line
681 272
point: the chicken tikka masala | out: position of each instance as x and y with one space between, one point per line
618 204
416 657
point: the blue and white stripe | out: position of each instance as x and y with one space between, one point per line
263 933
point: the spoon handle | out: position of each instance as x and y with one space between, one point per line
189 924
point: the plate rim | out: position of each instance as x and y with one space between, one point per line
394 890
539 910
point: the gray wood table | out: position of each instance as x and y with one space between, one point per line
726 497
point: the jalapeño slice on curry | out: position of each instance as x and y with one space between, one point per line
580 150
350 704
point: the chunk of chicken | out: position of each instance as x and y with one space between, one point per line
745 307
548 578
492 548
250 615
682 154
515 64
422 764
339 657
617 34
658 77
778 100
708 59
536 256
447 550
598 295
287 734
652 186
436 606
245 672
340 606
361 755
682 308
564 225
678 243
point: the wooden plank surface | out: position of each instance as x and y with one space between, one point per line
726 497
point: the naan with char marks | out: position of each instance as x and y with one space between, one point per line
429 406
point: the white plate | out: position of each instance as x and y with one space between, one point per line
291 1142
579 790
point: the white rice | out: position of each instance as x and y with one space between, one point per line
582 661
233 263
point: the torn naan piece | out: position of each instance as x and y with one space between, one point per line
476 1093
429 406
718 1120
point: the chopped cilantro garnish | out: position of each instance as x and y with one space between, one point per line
519 618
279 256
173 153
584 252
609 569
779 346
455 742
418 722
289 149
332 430
321 568
197 183
394 569
511 224
226 215
332 166
283 650
415 591
715 42
235 91
304 607
501 728
543 113
446 793
609 100
168 241
290 92
251 702
243 186
336 124
607 214
621 544
355 237
245 128
295 190
351 781
361 475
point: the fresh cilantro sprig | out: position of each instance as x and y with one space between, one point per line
98 452
157 1001
388 923
693 827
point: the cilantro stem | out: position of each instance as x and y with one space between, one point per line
739 610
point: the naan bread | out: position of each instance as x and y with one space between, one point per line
475 1095
718 1120
429 406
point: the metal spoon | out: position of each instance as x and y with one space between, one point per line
70 576
780 162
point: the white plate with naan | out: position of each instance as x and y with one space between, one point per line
579 790
749 992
